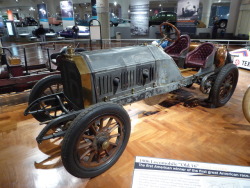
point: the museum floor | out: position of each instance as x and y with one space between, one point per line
179 128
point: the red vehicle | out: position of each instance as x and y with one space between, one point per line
55 21
16 77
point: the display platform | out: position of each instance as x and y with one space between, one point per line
156 172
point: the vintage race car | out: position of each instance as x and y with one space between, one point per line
87 111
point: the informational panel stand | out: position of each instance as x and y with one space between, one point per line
95 32
155 172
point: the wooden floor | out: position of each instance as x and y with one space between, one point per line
179 128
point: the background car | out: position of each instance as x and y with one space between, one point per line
55 21
29 21
163 16
113 19
223 21
68 32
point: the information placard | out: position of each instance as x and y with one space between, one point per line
155 172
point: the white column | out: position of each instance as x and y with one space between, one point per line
206 11
102 7
125 6
233 16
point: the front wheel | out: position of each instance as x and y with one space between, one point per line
95 140
246 105
224 85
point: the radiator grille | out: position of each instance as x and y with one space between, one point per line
127 79
71 80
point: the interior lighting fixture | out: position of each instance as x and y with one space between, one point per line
115 3
159 5
16 0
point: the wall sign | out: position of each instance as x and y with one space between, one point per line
139 19
187 14
43 15
67 13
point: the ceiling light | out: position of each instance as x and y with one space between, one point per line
115 3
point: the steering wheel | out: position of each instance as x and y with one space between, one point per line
166 31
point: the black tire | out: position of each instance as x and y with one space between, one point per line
246 105
88 130
116 24
41 89
224 85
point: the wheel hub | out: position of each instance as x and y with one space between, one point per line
102 141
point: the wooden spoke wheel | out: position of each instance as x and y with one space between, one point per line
246 105
95 140
224 85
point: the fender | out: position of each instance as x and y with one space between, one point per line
54 123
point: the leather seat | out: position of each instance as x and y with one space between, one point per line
179 48
201 57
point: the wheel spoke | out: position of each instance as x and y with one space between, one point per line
113 128
51 90
107 153
57 87
55 113
92 127
89 137
101 123
85 153
109 123
85 145
115 135
91 156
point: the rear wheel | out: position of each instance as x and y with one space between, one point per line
246 105
224 85
95 140
47 86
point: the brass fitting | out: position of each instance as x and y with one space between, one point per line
70 52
